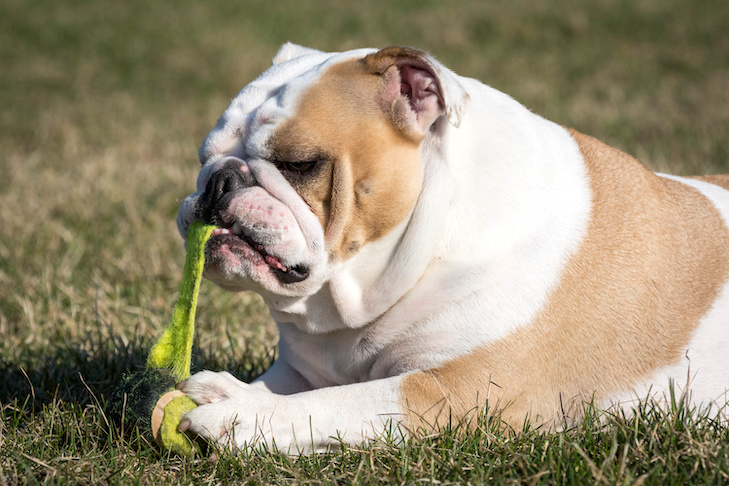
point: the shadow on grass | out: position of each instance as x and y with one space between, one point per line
87 371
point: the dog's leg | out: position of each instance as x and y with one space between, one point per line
240 416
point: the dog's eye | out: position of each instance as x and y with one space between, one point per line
298 167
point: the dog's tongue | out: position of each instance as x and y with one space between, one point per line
275 263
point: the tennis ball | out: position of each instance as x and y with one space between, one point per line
166 418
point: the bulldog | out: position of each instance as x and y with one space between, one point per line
432 251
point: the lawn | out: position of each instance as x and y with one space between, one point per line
102 108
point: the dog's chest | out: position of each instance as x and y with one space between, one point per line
335 358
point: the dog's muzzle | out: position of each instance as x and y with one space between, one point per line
226 183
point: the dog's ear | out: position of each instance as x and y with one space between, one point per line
415 89
290 51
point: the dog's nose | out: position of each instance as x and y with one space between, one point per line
222 186
234 175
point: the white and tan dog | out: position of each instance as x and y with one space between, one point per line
428 246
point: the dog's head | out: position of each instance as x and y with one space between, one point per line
318 159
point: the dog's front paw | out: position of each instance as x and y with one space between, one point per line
230 413
211 387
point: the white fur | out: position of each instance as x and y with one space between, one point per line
244 416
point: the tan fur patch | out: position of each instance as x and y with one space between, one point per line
371 174
654 259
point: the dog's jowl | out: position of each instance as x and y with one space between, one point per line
430 249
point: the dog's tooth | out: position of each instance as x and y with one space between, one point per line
237 229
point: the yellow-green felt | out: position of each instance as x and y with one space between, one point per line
172 439
174 348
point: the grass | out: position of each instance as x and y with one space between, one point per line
102 108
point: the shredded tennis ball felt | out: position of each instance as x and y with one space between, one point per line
135 401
